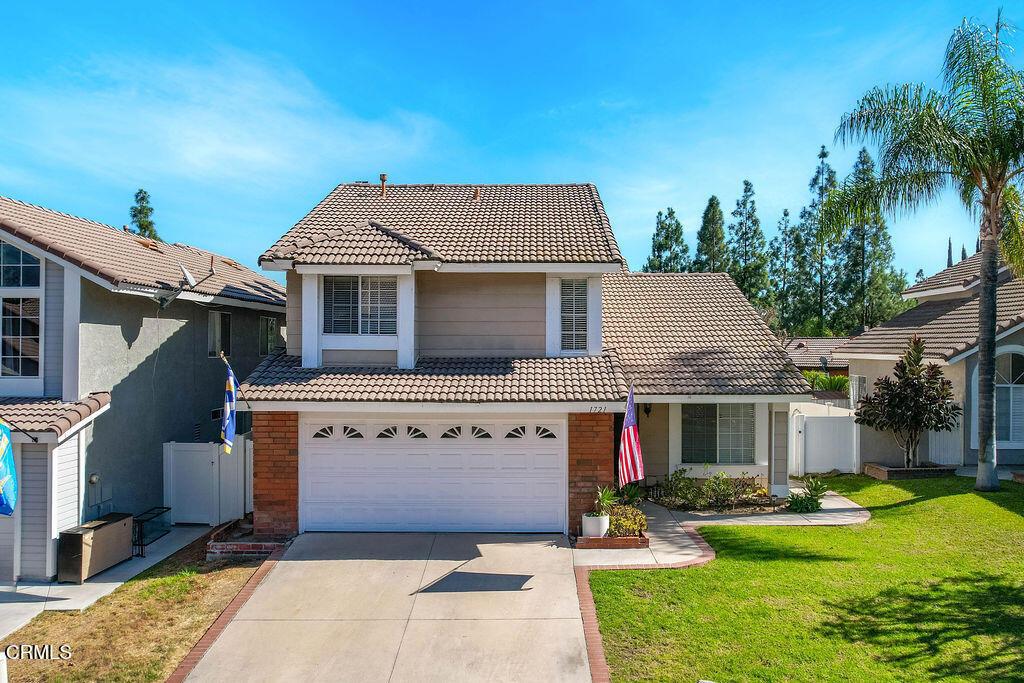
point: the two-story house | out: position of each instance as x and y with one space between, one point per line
458 357
108 352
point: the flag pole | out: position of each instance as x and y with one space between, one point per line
238 385
18 429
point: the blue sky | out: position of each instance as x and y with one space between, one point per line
237 121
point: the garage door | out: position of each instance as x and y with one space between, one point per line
432 475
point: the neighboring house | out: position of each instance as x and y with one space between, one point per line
946 317
815 353
457 356
100 376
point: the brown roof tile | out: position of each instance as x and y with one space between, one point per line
693 333
122 258
963 274
50 414
948 327
507 224
442 380
807 352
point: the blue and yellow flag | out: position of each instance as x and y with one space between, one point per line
227 419
8 472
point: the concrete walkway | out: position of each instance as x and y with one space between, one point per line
674 541
21 604
1005 472
408 607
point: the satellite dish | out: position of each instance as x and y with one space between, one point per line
164 299
187 275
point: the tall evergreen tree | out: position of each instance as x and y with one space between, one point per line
669 251
748 259
712 255
868 287
817 275
920 276
142 216
782 270
949 252
963 251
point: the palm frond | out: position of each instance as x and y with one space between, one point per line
1011 236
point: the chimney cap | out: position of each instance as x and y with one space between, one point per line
383 184
476 194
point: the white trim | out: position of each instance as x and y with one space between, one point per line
359 342
675 435
406 321
396 407
552 316
573 268
353 270
81 475
83 424
49 437
973 389
20 385
51 513
72 320
594 316
723 398
312 328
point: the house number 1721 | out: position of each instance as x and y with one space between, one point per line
598 409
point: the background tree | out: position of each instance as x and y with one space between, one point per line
949 252
142 216
782 270
963 251
748 260
966 135
919 277
868 286
818 239
712 254
917 398
669 251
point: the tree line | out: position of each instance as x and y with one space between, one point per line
809 279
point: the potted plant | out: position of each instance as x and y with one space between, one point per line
596 523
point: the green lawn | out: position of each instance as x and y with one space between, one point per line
930 588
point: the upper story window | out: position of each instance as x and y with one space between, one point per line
20 338
17 268
574 314
269 330
362 304
219 333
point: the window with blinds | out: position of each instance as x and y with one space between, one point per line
720 434
574 314
360 305
1010 398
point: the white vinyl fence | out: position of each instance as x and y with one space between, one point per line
825 438
204 485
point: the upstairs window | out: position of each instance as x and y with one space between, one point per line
20 339
17 268
219 333
268 335
574 314
360 305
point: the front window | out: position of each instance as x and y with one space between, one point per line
1010 398
720 434
219 333
20 338
268 335
360 305
574 314
17 268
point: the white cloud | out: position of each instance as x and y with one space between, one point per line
234 119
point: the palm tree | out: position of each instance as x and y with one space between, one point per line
967 135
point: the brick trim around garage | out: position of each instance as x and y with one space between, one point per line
591 462
275 475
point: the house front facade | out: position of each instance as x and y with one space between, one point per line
107 353
459 356
946 318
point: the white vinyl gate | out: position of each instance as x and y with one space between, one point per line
826 438
457 473
204 485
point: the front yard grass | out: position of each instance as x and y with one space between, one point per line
931 587
140 631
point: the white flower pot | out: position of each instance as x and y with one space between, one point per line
595 525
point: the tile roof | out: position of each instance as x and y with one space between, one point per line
442 380
50 414
807 352
949 327
962 274
354 224
124 259
693 333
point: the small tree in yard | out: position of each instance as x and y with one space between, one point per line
915 399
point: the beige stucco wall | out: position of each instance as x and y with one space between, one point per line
480 314
363 357
654 438
293 313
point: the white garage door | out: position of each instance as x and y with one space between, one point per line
432 475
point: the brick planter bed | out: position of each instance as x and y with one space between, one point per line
887 473
225 544
612 542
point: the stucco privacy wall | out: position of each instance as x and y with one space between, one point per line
1004 456
163 388
480 314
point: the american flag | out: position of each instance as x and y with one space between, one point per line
631 460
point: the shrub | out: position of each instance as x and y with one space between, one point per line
626 520
604 502
719 491
821 381
810 499
683 490
631 494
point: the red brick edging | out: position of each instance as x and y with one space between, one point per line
599 672
203 645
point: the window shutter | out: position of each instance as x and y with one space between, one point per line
574 314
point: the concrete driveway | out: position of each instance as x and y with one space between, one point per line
409 607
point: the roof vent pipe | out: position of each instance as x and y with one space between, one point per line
383 184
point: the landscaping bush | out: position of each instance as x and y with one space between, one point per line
719 491
631 494
810 499
626 520
821 381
